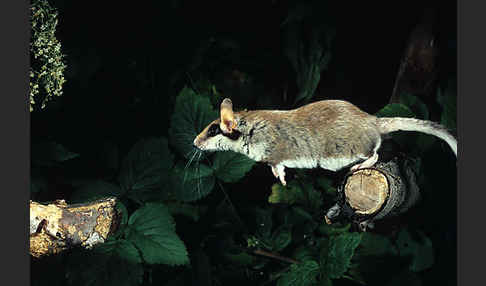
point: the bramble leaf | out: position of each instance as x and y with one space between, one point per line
152 230
192 183
192 113
341 250
302 274
147 165
231 166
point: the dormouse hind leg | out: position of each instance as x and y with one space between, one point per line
279 172
367 163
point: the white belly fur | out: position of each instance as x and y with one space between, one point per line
332 164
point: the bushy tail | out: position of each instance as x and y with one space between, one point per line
392 124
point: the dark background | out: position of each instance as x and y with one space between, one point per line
127 60
121 52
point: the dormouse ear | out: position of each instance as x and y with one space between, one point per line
228 121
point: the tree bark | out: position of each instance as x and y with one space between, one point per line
57 226
366 195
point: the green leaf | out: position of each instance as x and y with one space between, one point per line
303 253
334 229
420 250
416 105
147 165
95 190
302 274
281 237
395 110
285 194
192 183
341 250
112 263
192 113
152 230
231 166
50 153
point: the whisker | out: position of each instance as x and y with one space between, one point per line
194 153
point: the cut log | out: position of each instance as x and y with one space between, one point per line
366 195
56 227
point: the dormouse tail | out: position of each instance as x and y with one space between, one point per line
391 124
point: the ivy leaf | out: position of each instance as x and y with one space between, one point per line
152 230
395 110
112 263
192 183
192 113
50 154
95 190
147 165
341 250
302 274
419 250
231 166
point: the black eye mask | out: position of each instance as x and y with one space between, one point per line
215 130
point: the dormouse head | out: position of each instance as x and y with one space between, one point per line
222 133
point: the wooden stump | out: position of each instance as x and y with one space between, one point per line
56 227
366 195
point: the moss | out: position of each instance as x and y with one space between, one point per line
47 61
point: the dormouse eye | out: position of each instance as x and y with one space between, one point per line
214 130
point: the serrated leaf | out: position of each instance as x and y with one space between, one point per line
112 263
192 113
420 250
95 190
50 153
341 250
192 183
147 165
152 230
281 237
302 274
231 166
395 110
